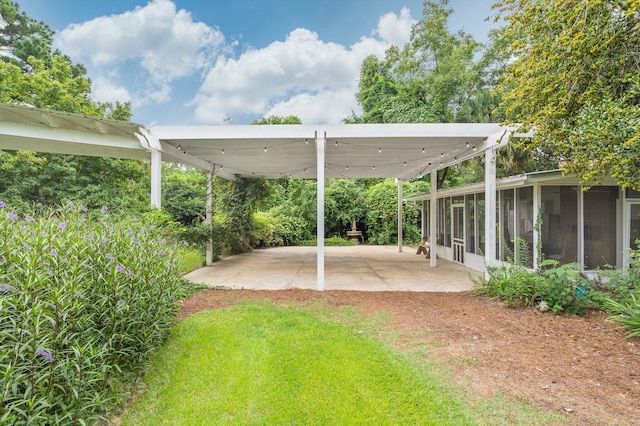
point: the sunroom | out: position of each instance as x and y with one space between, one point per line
542 215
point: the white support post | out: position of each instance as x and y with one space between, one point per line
320 152
423 219
400 236
580 226
490 207
433 239
209 219
156 177
537 197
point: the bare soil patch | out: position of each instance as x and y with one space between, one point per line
580 367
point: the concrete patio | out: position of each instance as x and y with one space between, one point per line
363 268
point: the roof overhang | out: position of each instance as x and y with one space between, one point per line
31 129
402 151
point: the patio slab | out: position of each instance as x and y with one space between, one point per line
360 268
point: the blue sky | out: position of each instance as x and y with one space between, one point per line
199 62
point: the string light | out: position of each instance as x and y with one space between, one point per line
222 151
474 148
441 154
441 164
306 141
467 144
423 150
405 164
347 168
265 149
379 150
374 167
336 144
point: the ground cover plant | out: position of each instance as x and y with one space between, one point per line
256 363
85 298
566 288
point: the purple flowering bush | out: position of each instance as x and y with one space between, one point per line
85 298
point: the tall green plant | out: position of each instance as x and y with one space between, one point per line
85 298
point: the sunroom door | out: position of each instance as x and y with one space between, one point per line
458 233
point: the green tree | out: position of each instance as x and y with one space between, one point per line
53 82
184 193
274 119
382 212
575 82
344 204
24 36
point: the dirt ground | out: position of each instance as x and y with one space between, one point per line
579 367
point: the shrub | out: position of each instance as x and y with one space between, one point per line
627 313
83 303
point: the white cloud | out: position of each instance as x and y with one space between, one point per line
143 55
302 76
104 90
164 42
396 29
328 106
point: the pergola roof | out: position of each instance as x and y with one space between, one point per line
402 151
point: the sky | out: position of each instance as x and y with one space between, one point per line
186 62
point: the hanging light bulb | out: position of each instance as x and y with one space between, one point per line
441 154
336 144
405 164
347 168
222 151
379 150
474 149
423 150
467 144
306 141
265 149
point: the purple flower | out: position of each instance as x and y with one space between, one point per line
54 252
78 294
104 240
29 218
83 209
121 303
26 247
119 268
104 209
2 204
151 228
63 225
88 237
109 256
134 218
45 354
22 229
12 216
49 271
135 240
5 288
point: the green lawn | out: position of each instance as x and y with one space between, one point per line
264 365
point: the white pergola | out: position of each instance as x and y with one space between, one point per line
400 151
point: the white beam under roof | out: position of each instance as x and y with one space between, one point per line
403 151
31 129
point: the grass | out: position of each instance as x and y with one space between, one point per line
255 363
192 259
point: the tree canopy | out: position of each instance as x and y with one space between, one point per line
574 80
